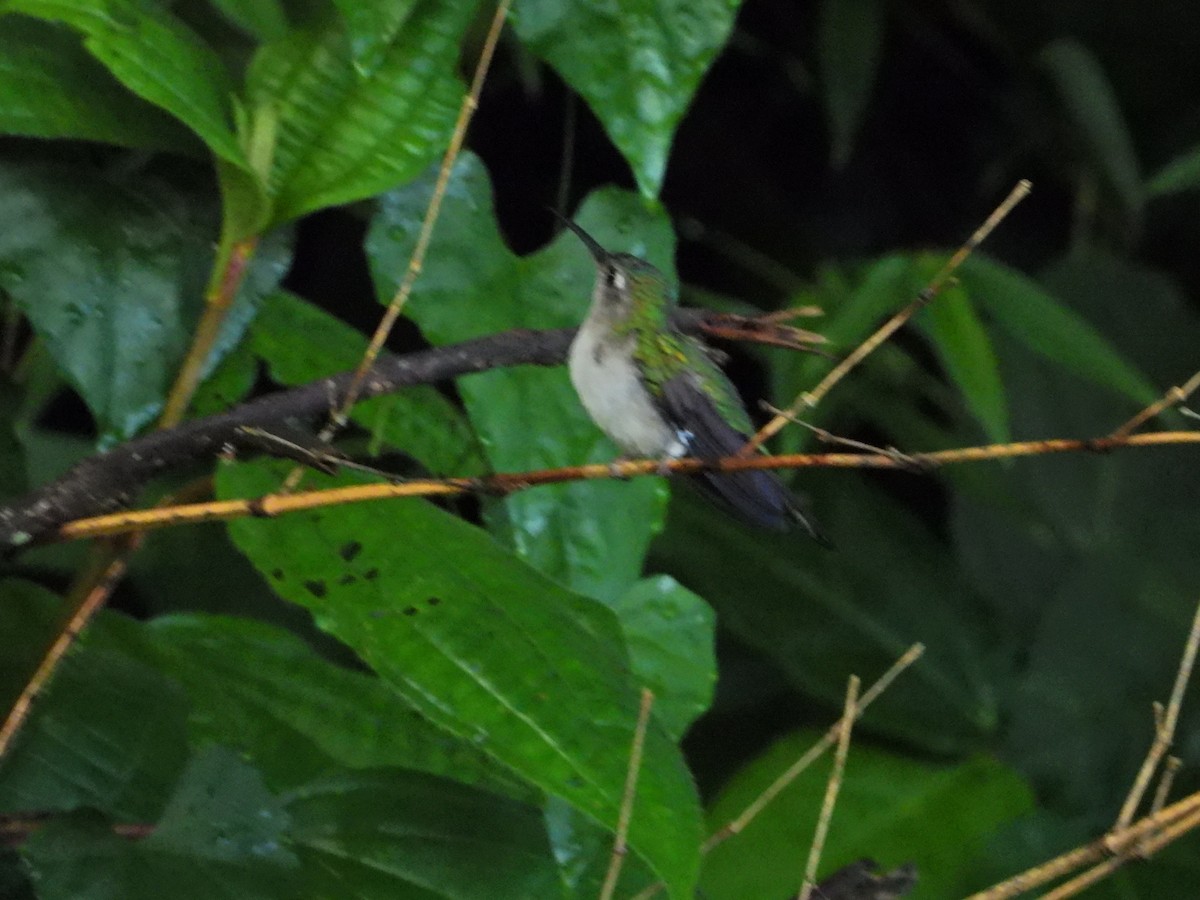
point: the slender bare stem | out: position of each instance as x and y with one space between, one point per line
834 784
1174 397
1164 731
625 815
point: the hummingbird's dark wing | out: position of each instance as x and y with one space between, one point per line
702 417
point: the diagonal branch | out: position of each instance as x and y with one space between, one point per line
111 480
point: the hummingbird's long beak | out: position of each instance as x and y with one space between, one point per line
599 254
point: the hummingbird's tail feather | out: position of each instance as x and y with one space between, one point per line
757 496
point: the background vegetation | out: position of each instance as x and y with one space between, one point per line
409 700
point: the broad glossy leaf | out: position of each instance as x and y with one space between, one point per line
109 734
636 62
1088 98
1041 322
850 38
486 648
591 536
348 130
111 275
157 57
51 88
670 633
402 834
891 808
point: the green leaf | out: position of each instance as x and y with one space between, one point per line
347 130
1039 321
486 648
111 275
637 63
51 88
670 633
1088 98
970 360
157 57
111 735
400 834
590 536
294 715
1180 174
891 808
849 40
222 812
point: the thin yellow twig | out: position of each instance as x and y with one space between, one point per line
849 714
1170 769
811 398
417 261
507 483
625 815
1153 830
746 816
1164 731
1173 397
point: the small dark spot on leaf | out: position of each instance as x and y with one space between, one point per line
350 550
277 574
371 574
433 601
316 588
348 579
410 610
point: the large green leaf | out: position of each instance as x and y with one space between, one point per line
636 62
111 275
669 632
591 536
890 808
157 57
51 88
486 648
347 129
850 39
378 835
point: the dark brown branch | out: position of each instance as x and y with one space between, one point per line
111 480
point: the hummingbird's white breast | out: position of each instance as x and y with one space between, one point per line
610 387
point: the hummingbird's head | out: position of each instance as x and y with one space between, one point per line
624 283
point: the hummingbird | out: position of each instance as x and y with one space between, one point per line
657 392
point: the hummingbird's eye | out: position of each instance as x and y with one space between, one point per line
615 278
